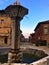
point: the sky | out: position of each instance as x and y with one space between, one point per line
38 11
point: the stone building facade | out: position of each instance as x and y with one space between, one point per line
5 28
8 16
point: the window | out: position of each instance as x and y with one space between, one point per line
39 38
45 30
2 20
5 40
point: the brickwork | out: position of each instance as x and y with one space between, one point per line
41 32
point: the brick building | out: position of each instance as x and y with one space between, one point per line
41 33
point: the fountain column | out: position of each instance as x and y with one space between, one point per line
16 13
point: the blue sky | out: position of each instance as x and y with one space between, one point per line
38 10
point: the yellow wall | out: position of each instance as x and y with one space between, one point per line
5 29
6 22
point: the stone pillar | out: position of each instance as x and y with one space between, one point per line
16 54
16 13
15 34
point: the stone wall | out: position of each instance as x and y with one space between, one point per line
35 52
42 61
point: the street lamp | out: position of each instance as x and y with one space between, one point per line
16 13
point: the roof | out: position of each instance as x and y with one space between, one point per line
43 22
